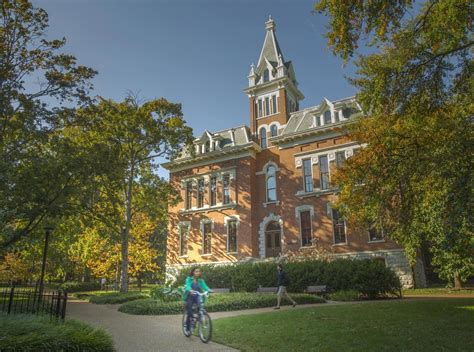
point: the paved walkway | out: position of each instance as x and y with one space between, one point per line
143 333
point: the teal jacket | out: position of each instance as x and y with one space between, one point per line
188 286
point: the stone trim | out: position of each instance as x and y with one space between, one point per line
261 232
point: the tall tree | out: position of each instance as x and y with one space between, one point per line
37 80
137 135
415 178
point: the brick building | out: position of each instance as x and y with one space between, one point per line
261 190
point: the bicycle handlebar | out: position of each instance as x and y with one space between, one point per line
199 293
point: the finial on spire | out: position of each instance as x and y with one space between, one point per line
270 24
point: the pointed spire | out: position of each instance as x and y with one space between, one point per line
252 76
270 24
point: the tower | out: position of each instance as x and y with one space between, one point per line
273 90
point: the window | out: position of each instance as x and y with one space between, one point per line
336 116
207 147
226 189
183 240
189 195
375 234
213 190
260 107
271 184
340 158
206 237
274 104
318 121
339 227
327 117
263 138
266 75
232 236
200 193
347 112
273 130
305 226
267 106
323 172
307 175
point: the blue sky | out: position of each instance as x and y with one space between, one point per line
195 52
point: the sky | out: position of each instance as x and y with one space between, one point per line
196 52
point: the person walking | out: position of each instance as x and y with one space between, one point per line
283 282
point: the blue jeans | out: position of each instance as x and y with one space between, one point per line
190 301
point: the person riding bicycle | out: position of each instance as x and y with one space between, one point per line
193 283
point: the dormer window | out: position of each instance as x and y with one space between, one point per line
327 117
207 147
266 75
347 112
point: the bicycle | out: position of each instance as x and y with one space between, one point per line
200 318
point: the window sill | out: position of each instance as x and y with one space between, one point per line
340 244
183 256
276 202
233 253
316 193
215 207
264 117
206 255
376 241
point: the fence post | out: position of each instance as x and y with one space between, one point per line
10 302
63 310
58 305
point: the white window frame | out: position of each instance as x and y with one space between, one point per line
202 223
298 211
181 225
334 234
228 219
267 176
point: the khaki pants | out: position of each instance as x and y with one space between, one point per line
282 292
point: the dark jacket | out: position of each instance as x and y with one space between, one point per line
283 279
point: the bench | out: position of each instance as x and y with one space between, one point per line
319 290
267 289
220 290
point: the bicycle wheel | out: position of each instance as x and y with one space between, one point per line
186 332
205 327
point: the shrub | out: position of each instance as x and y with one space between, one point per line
116 297
74 286
345 295
166 294
215 303
33 333
368 277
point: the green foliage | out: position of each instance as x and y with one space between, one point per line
74 286
370 278
216 303
401 325
414 179
32 333
116 297
345 296
166 294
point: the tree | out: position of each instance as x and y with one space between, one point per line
136 136
37 171
414 180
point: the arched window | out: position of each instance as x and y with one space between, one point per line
263 137
272 239
274 130
271 184
266 75
327 117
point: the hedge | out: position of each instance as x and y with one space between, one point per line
368 277
116 297
74 286
216 303
33 333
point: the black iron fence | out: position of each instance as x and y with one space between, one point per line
33 300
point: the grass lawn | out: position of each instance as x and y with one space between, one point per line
37 333
441 291
399 325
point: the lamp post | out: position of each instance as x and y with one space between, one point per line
47 230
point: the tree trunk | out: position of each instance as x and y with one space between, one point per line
126 232
457 281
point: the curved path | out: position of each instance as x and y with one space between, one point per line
139 333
